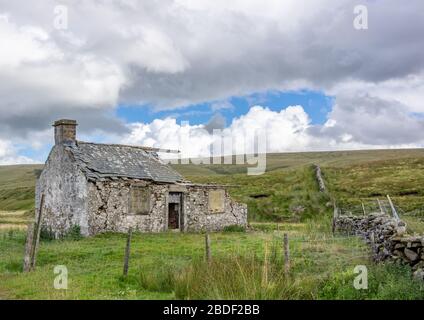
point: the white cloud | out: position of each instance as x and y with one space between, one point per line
408 91
288 130
8 155
26 44
285 130
153 50
370 120
191 140
173 53
36 75
168 54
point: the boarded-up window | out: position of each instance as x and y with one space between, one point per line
216 201
139 200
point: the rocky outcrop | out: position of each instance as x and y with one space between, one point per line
387 238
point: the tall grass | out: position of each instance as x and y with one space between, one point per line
246 278
236 277
385 282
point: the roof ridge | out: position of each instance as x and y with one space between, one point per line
149 149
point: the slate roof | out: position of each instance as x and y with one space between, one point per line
113 162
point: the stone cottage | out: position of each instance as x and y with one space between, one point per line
111 187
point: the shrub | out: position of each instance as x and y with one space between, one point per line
74 233
161 280
234 228
46 234
10 234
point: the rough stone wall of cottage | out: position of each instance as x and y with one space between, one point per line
108 207
64 187
198 217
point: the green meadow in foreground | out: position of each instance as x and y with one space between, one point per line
244 265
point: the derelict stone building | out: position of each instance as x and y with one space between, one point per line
110 187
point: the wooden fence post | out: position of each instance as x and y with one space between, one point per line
335 215
286 255
208 247
372 240
127 252
28 247
395 214
32 240
265 267
380 206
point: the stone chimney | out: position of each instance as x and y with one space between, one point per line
65 131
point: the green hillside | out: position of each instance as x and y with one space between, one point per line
287 191
275 161
17 185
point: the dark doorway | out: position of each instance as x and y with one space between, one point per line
173 215
174 210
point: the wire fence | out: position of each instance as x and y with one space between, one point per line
366 207
414 218
417 213
315 253
318 253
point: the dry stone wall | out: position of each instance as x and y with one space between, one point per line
319 178
387 238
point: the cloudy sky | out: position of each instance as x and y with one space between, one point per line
142 72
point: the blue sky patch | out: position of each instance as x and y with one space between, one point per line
315 103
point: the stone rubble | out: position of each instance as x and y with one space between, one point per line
387 238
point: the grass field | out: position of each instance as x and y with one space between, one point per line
285 187
275 161
402 179
245 265
15 219
171 266
17 184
